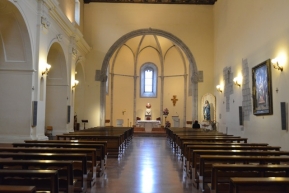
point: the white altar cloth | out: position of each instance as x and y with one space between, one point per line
148 124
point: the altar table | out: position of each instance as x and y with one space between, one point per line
148 124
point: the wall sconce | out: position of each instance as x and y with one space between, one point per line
237 81
47 68
276 65
75 83
219 88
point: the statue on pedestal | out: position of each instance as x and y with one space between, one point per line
207 111
148 112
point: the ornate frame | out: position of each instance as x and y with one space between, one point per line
262 89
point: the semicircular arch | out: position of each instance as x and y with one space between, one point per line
149 31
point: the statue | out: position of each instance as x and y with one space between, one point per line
206 111
148 113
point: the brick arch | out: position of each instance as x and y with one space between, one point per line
157 32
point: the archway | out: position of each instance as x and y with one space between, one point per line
16 74
150 31
57 88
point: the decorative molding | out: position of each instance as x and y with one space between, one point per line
74 51
69 29
45 23
59 37
18 70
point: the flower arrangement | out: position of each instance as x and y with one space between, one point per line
166 111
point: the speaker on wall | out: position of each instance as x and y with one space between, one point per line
283 116
68 114
240 115
34 113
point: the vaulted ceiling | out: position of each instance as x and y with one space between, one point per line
200 2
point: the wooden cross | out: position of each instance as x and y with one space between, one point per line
174 99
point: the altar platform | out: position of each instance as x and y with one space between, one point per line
155 132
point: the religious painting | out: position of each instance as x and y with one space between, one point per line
262 89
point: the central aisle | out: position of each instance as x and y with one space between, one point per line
148 165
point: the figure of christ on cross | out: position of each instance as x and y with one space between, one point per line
174 99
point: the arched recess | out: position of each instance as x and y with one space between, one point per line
56 90
149 31
79 103
16 74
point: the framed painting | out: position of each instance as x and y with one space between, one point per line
262 89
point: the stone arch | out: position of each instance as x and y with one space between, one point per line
149 31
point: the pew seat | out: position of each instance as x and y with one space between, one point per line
221 174
64 168
259 185
206 162
17 189
43 180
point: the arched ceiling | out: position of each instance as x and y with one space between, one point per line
139 43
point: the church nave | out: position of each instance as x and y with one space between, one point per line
148 165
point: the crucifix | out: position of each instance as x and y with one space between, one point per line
174 99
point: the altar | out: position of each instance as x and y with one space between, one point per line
148 124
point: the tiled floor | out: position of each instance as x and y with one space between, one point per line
148 165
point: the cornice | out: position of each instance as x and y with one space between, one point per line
69 29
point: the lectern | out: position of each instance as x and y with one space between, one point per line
176 120
84 121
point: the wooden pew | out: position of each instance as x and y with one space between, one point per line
98 147
186 153
125 132
91 153
209 139
65 167
247 152
17 189
187 157
187 143
191 165
192 148
11 177
259 185
78 173
206 162
207 175
173 132
104 143
221 174
114 142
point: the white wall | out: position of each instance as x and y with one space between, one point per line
254 31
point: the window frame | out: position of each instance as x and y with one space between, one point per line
143 68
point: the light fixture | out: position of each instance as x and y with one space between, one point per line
47 68
219 88
75 83
276 65
237 81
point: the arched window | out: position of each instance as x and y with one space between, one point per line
148 80
77 12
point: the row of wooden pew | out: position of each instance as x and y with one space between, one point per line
221 163
65 164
